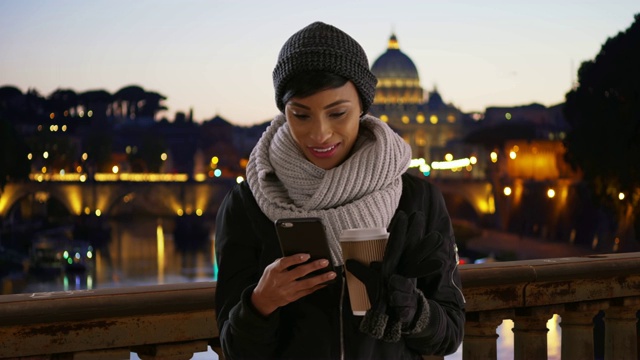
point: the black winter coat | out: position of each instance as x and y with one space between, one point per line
321 325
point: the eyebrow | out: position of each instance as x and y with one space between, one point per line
293 103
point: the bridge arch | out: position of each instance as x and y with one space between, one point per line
68 194
467 199
37 205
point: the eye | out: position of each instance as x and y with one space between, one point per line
337 114
301 116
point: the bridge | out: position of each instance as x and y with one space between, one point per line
120 195
476 200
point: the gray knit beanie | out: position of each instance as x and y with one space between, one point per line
322 47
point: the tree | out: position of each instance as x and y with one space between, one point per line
14 164
604 114
62 100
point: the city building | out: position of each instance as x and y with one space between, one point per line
424 120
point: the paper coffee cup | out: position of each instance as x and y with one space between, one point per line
364 245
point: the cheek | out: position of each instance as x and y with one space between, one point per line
350 130
296 133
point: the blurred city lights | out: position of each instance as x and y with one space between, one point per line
452 164
507 190
551 193
621 196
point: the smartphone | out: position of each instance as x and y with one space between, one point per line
304 235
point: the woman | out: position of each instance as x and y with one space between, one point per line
324 157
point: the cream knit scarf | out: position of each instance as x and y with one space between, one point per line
363 191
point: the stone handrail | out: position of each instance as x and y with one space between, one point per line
174 321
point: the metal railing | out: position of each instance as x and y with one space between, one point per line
175 321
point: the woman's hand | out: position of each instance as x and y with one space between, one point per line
279 286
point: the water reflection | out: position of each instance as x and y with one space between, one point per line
141 252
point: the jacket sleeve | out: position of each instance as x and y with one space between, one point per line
244 333
445 302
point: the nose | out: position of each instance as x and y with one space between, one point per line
320 131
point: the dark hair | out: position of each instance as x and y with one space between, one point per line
311 82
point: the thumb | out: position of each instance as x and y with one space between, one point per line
359 270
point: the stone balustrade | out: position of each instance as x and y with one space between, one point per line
175 321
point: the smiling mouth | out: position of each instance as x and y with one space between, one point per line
324 150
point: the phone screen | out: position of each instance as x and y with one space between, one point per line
304 235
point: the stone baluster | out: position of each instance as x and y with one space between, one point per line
620 339
577 329
480 334
530 332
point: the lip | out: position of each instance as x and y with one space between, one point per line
323 152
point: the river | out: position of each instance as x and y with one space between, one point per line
145 252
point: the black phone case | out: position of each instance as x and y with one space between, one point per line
304 235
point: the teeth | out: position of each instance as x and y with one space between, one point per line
323 150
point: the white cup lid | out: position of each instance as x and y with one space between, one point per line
363 234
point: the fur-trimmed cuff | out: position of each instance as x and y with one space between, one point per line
393 332
373 323
422 316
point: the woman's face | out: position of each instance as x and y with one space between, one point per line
325 124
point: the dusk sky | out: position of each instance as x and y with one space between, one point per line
217 56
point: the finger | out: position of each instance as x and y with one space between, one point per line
399 283
401 299
416 227
404 314
359 270
306 291
303 270
421 250
315 281
395 244
398 226
288 261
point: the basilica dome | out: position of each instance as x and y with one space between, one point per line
394 63
398 80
